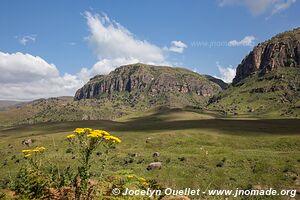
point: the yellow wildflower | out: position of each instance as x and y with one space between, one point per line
142 179
130 176
41 148
71 136
92 135
112 138
104 133
96 133
27 156
37 149
87 130
79 130
26 151
145 183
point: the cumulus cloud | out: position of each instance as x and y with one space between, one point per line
258 7
104 66
246 41
226 73
177 46
114 45
26 39
27 77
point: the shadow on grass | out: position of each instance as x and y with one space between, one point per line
155 123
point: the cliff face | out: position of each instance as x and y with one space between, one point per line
283 50
267 82
146 81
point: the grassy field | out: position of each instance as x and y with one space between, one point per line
197 150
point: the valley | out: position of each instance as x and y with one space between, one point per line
196 150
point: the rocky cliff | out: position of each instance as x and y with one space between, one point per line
144 82
283 50
267 82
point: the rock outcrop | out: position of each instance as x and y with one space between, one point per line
267 82
283 50
137 79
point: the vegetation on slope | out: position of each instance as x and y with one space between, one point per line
275 95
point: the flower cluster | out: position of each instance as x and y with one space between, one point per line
28 152
141 180
94 134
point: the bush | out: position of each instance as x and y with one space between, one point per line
29 183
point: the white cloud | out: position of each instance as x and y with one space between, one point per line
114 46
23 76
258 7
283 5
104 66
177 46
246 41
226 73
27 77
25 39
111 40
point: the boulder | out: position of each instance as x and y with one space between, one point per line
154 165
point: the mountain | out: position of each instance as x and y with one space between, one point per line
142 86
267 82
283 50
6 104
127 90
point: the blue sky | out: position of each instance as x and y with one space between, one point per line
63 43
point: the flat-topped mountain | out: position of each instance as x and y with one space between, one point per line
126 90
151 86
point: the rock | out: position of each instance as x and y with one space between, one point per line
27 142
251 110
85 117
283 50
156 154
154 165
181 159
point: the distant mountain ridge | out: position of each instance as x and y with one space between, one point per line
4 104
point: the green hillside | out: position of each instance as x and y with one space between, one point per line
273 95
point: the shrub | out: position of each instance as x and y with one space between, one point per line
30 181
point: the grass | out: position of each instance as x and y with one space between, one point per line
196 150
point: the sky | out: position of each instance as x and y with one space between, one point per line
52 47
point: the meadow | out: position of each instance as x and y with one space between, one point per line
196 150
